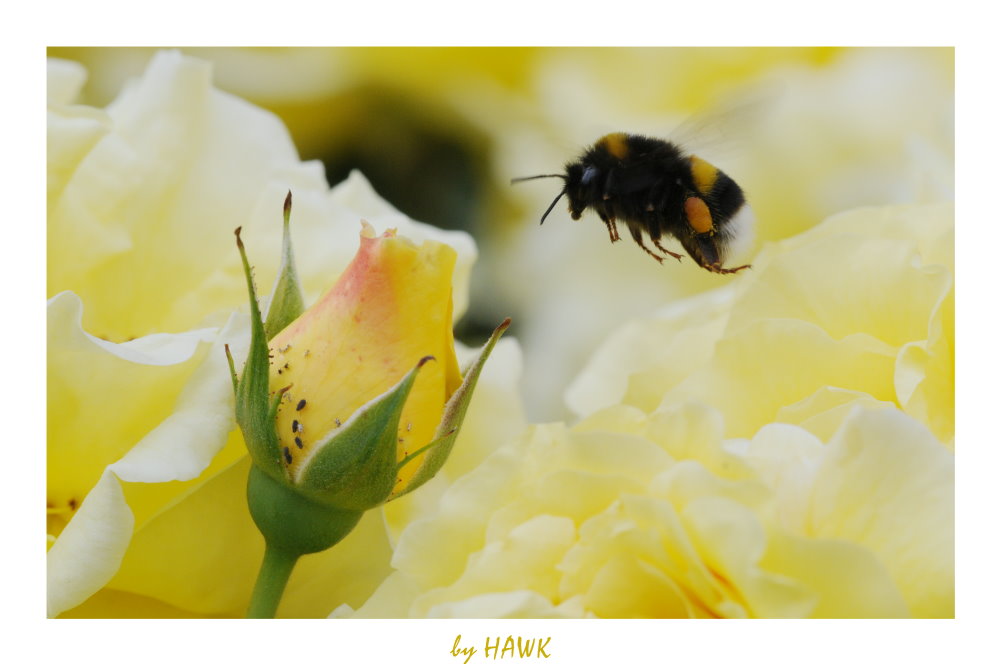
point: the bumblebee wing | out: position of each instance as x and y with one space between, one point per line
719 130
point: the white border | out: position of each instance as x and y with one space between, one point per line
509 23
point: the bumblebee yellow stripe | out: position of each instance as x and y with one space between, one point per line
698 215
616 144
704 175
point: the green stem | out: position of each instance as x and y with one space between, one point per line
271 581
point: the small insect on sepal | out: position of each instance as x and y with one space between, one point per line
657 190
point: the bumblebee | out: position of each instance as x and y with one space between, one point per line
651 185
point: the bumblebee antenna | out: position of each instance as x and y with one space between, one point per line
561 194
537 177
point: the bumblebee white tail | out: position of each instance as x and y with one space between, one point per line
741 233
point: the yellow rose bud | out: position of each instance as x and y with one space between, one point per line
390 308
339 403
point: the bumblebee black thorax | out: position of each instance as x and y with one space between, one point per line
655 189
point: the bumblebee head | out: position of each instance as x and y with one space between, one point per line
579 179
564 191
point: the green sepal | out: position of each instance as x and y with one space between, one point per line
232 370
292 521
436 453
287 302
272 411
252 402
354 467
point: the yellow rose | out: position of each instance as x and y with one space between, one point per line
154 412
778 447
859 309
629 515
356 355
390 308
140 433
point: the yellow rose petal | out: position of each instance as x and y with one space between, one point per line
114 603
925 374
888 484
528 553
89 550
202 555
823 411
512 604
844 579
750 386
628 587
730 541
138 382
644 359
64 80
880 289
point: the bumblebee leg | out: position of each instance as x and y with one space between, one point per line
637 236
655 204
608 183
656 200
609 221
656 241
724 270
